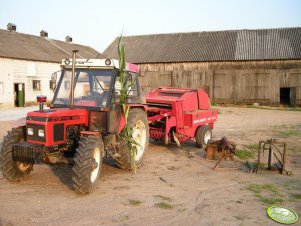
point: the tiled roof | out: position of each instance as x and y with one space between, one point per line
17 45
264 44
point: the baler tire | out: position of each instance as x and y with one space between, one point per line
87 164
200 136
123 159
11 169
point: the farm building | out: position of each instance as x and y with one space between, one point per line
27 63
234 67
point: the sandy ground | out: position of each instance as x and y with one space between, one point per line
174 186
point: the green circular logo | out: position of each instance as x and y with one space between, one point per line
282 215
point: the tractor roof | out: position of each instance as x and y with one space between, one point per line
98 63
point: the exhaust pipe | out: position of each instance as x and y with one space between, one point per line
72 79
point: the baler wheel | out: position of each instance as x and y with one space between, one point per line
11 169
203 135
87 164
138 121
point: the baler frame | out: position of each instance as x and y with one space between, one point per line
175 114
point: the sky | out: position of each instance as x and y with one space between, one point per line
97 23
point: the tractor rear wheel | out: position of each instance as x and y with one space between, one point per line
203 135
138 121
87 164
11 169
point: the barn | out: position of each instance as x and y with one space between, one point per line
27 63
234 67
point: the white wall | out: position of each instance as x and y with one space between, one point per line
21 71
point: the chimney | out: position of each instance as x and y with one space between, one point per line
68 38
43 34
11 27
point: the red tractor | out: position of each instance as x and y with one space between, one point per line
82 125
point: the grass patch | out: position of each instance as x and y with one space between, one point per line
293 109
267 193
164 205
252 146
295 197
271 201
275 108
253 165
244 154
214 104
135 202
258 188
164 198
286 131
289 133
293 184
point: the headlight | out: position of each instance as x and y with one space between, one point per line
41 133
30 131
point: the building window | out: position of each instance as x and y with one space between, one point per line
36 85
1 88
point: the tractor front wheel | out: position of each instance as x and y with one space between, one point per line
87 164
203 135
11 169
137 120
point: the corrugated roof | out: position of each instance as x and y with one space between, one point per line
29 47
264 44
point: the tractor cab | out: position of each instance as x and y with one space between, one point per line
96 84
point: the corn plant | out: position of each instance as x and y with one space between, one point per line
127 132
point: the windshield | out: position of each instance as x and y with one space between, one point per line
91 88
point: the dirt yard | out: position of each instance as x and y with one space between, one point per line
174 186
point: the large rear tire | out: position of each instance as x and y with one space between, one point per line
203 135
11 169
87 164
138 121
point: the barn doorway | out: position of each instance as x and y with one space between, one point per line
288 96
19 94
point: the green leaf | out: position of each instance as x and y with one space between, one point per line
127 133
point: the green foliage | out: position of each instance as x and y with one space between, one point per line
252 146
293 184
164 205
286 131
244 154
258 188
275 108
135 202
267 193
127 132
293 109
296 197
271 201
